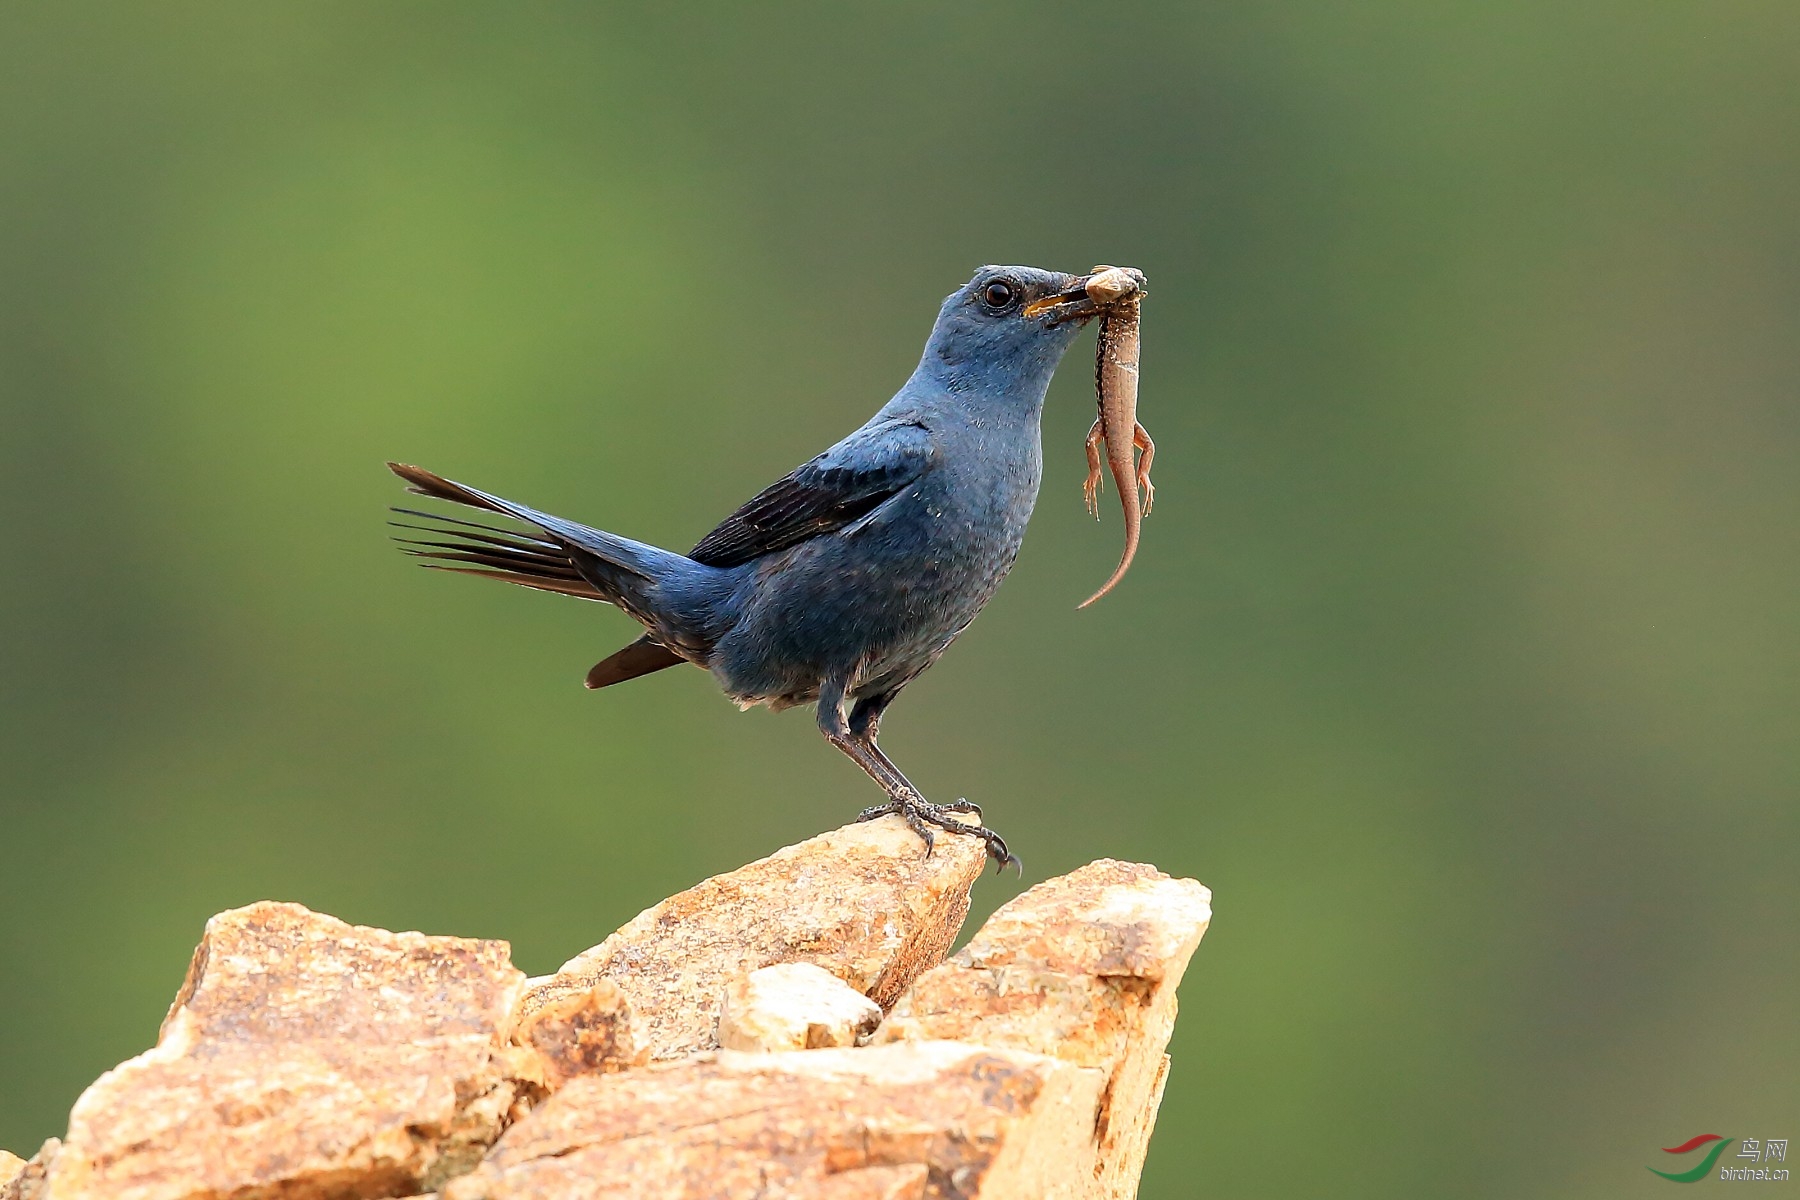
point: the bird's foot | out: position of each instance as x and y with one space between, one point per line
894 806
922 815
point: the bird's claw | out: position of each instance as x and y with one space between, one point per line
921 815
915 813
877 811
919 827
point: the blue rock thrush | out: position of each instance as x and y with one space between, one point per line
845 579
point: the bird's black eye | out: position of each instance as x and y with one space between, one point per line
998 294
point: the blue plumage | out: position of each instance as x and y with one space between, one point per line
842 581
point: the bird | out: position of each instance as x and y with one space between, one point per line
841 582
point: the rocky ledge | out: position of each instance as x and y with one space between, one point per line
789 1029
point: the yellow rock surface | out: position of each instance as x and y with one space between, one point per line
794 1006
863 902
922 1119
305 1057
308 1059
1083 967
586 1032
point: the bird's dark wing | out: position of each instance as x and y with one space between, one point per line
847 482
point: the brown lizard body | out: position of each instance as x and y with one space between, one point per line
1116 383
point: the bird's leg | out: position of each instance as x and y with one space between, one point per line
903 797
865 719
858 742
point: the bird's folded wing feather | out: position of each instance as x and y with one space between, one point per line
845 483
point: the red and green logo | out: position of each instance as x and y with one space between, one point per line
1689 1146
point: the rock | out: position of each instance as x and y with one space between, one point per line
794 1006
21 1180
942 1119
1083 967
308 1059
304 1057
863 902
13 1181
868 1183
583 1033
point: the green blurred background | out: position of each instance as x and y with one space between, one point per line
1461 658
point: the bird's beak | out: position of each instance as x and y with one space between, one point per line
1089 295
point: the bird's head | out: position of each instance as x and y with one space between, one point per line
1012 324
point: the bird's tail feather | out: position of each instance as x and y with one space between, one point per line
560 556
647 562
494 554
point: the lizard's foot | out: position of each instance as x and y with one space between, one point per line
921 815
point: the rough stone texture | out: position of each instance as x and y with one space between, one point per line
1083 967
906 1182
11 1167
794 1006
26 1179
584 1033
864 902
308 1059
936 1119
305 1057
